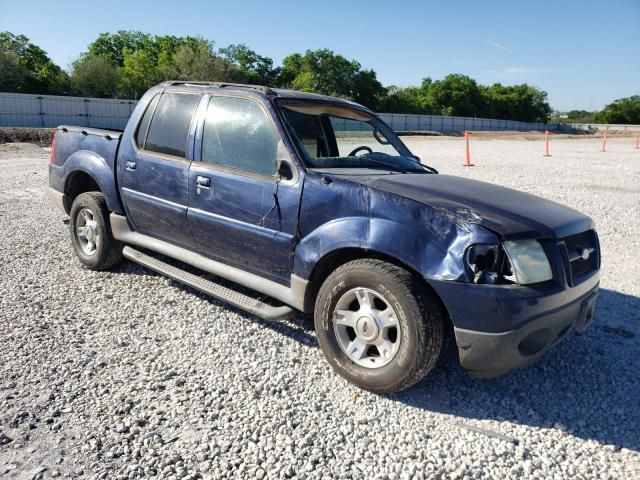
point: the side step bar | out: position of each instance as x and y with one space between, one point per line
293 295
237 299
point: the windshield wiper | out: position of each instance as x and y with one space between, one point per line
416 160
392 165
425 169
422 168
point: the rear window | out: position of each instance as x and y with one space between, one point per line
141 134
169 126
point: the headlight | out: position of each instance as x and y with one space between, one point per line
489 264
529 261
523 262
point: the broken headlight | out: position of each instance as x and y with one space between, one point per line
489 264
523 262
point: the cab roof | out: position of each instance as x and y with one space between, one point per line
279 93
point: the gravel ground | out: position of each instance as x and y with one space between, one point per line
127 374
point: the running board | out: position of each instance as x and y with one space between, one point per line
293 295
237 299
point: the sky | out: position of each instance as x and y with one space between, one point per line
585 54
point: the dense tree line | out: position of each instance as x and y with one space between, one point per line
126 63
26 68
623 110
461 95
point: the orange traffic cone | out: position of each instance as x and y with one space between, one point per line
546 143
604 142
467 154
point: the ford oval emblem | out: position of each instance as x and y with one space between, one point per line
586 253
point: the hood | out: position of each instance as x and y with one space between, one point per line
508 212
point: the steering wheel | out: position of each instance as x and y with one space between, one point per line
363 148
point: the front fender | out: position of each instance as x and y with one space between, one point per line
96 167
347 232
432 245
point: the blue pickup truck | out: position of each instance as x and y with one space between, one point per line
312 203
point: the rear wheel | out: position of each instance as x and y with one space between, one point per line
378 325
91 232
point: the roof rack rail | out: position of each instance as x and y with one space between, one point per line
260 88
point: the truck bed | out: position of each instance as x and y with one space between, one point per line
84 151
70 139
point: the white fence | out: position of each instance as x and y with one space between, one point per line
436 123
25 110
604 126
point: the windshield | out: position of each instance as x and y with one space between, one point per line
332 137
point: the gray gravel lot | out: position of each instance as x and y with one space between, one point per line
127 374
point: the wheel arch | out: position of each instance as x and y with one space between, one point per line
78 182
85 171
335 258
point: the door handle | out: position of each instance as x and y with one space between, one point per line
202 182
131 165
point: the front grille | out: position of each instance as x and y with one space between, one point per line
575 246
580 267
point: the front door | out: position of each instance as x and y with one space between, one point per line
154 177
239 213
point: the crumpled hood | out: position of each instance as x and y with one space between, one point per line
508 212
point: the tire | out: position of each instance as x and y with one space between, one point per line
96 249
409 345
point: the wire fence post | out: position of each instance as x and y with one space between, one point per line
86 111
41 112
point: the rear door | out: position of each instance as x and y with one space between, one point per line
153 176
239 212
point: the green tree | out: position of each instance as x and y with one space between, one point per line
162 52
13 72
113 45
95 76
255 68
455 94
402 100
323 71
320 71
366 89
26 68
518 102
141 60
623 110
137 74
196 61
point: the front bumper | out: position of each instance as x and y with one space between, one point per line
536 319
488 355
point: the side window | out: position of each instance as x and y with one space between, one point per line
143 127
169 126
238 133
310 133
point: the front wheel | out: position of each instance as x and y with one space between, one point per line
378 325
91 232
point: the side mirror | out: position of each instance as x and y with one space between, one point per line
284 166
284 169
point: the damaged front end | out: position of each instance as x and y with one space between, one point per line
522 262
